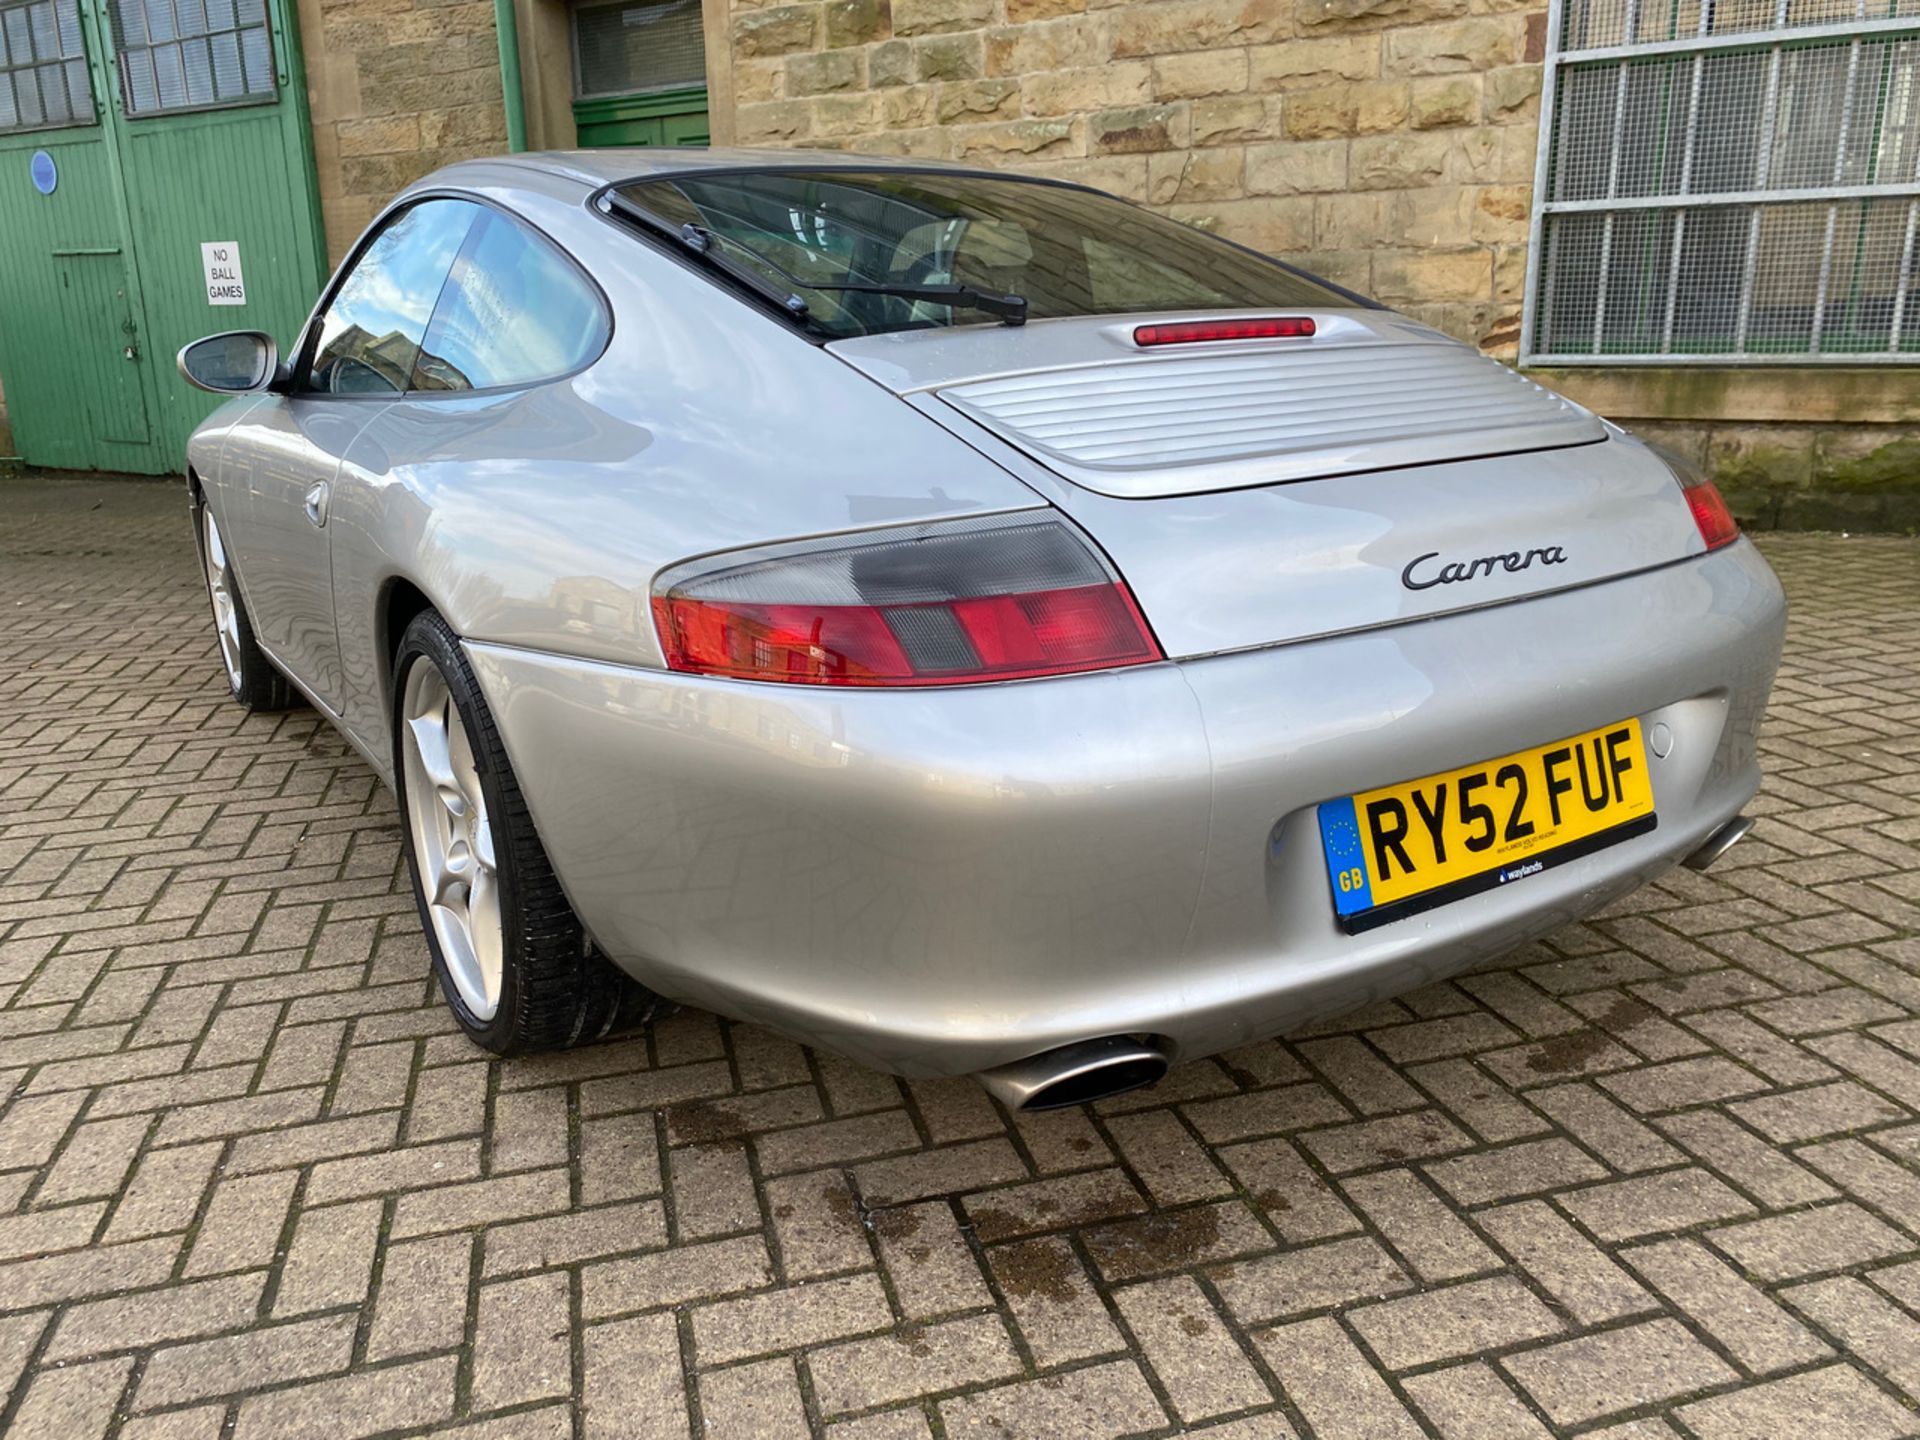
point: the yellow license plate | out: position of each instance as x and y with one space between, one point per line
1404 848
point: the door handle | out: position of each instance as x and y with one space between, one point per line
317 503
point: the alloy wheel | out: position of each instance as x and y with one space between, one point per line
452 839
226 609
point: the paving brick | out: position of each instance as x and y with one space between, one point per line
1866 1326
713 1192
242 1225
350 1406
749 1401
928 1261
1053 1204
1171 1163
1174 1240
1837 1403
1768 1174
1191 1349
1596 1375
1757 1333
184 1312
76 1403
673 1277
1341 1395
421 1304
1471 1402
1529 1168
797 1316
1581 1277
1829 1237
1470 1319
1649 1204
817 1226
575 1236
1054 1303
521 1342
1296 1201
915 1361
1112 1398
331 1259
252 1360
1832 1109
632 1388
1428 1235
1337 1273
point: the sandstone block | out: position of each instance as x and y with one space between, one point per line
949 57
1200 73
1464 273
1234 120
1171 26
978 100
779 31
1462 47
935 17
823 71
1363 109
890 63
1297 167
858 22
1071 92
1398 162
1138 129
1313 64
1334 15
1068 44
1016 138
1443 102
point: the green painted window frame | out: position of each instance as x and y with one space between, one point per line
647 105
35 66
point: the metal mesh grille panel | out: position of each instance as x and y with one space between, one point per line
192 54
1735 183
631 47
43 66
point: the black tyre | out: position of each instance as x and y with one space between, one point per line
512 959
251 677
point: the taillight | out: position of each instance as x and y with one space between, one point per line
951 603
1194 332
1710 513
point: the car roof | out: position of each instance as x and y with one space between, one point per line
594 168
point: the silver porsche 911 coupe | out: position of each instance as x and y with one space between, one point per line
963 621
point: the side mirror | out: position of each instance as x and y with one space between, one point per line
236 363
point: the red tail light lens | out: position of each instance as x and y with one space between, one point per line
1710 513
1278 327
950 604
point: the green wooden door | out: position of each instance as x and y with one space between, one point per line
639 73
671 117
184 123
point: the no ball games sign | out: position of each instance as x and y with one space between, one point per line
221 261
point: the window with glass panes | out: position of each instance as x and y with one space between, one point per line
43 66
1728 181
191 54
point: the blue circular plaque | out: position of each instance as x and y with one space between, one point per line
45 176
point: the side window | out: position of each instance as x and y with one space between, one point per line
514 311
370 335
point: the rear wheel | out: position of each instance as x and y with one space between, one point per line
251 678
513 960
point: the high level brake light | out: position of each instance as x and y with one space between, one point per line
1195 332
953 603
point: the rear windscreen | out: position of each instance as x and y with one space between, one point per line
1066 250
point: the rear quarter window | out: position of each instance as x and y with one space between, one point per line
514 311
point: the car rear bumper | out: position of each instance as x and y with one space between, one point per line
940 881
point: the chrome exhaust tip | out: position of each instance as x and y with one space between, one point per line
1718 843
1076 1074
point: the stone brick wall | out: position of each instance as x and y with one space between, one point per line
1386 144
398 88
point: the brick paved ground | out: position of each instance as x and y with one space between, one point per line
1655 1177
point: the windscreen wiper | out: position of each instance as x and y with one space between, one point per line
702 242
1011 309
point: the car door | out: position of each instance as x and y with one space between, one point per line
357 359
443 485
